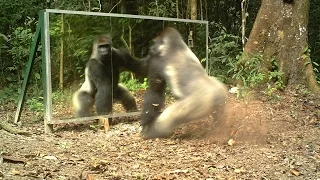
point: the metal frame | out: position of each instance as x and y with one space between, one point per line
43 33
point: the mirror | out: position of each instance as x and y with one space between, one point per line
71 39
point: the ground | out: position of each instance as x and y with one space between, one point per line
262 137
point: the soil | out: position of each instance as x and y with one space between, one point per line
261 137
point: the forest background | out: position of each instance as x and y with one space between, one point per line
227 36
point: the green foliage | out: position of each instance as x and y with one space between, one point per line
3 40
35 104
133 84
250 74
9 94
307 55
20 42
62 96
64 145
275 79
212 170
223 51
18 13
314 36
249 71
316 68
166 8
15 71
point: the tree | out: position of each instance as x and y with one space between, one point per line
280 33
193 5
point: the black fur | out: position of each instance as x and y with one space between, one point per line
102 75
288 1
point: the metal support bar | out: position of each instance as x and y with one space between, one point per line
207 49
58 11
33 50
46 70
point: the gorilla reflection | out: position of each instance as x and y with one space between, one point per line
102 75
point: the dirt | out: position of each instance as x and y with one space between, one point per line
261 137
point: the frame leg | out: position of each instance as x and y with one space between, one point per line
33 50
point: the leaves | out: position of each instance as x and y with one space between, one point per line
223 50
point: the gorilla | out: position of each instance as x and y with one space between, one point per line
197 94
102 75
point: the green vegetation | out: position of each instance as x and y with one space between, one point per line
251 76
133 84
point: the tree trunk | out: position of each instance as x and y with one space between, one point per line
177 8
193 15
123 8
62 40
89 5
243 22
280 32
193 6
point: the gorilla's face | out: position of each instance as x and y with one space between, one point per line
104 49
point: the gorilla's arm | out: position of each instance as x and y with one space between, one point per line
138 66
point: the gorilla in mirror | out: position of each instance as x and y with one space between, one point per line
102 75
197 94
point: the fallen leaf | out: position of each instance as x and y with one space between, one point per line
180 171
234 90
90 177
295 172
50 158
15 172
171 143
298 163
13 159
103 161
42 155
231 142
143 156
241 170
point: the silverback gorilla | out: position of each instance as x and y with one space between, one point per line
197 94
102 79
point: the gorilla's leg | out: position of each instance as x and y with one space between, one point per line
103 98
83 103
153 105
125 97
83 98
197 105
